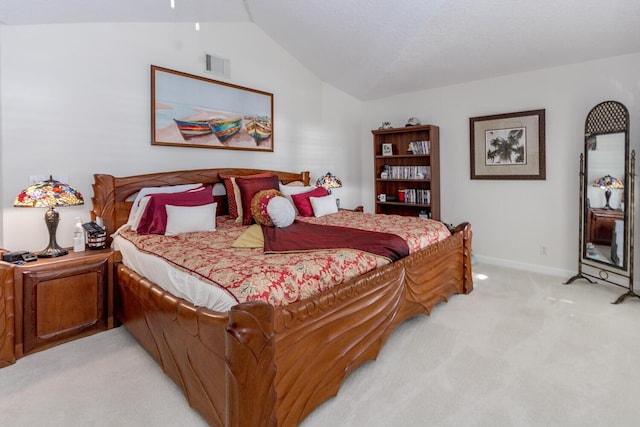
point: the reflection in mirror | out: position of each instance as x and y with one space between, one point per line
606 213
605 171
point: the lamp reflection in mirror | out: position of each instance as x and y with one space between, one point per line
608 182
329 181
49 194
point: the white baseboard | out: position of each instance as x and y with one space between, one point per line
552 271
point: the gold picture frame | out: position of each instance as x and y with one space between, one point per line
193 111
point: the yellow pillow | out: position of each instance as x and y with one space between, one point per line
251 238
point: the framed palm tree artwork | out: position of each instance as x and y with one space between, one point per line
508 146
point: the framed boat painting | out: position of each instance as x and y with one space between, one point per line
193 111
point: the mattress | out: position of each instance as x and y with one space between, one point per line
172 279
205 270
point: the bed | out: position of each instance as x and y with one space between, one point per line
257 364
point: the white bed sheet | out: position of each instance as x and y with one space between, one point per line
177 282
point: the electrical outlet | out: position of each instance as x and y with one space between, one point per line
544 250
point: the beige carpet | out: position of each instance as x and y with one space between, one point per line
521 350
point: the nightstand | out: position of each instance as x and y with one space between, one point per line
601 223
356 209
61 299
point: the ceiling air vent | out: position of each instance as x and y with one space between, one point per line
216 65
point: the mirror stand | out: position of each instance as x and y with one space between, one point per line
580 275
606 212
631 179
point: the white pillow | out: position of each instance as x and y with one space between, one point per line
218 189
189 219
324 205
153 190
281 211
137 215
290 190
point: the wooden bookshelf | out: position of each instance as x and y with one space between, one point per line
407 160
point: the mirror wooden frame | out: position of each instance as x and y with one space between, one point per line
607 118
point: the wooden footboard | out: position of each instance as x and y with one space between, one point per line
321 340
188 342
260 366
437 272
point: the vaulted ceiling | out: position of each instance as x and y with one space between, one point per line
372 49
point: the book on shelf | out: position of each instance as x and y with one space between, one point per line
420 147
407 172
416 195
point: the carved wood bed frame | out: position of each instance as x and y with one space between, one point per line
257 365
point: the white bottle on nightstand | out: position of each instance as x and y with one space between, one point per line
78 236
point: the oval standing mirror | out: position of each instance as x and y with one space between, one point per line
606 199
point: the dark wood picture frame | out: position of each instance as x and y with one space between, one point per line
193 111
508 146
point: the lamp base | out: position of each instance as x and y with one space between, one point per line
607 196
51 218
52 252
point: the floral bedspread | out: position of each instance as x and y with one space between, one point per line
418 233
248 274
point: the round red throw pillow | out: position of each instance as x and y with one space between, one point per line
259 206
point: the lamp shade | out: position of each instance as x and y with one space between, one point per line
49 194
608 181
329 181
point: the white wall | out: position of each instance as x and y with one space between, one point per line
512 219
76 101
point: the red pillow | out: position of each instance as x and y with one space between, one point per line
248 188
223 208
303 203
154 218
231 194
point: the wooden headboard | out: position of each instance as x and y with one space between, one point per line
110 193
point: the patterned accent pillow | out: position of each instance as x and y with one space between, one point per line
248 188
233 192
259 206
302 200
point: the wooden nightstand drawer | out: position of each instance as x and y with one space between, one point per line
60 299
601 223
57 310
